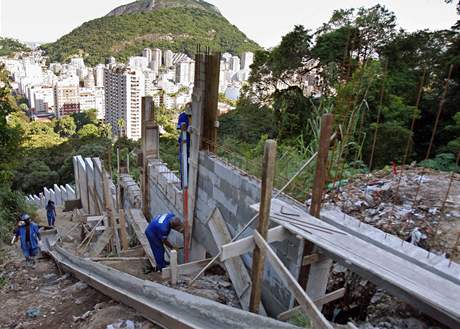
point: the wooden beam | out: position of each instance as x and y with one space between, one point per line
245 245
318 188
310 259
133 252
123 233
186 269
258 258
235 267
330 297
108 204
117 259
139 224
306 304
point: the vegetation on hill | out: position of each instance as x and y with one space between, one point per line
10 46
371 74
178 29
151 5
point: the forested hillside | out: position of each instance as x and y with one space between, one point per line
9 47
394 95
178 29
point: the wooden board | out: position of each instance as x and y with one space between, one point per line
139 224
235 267
306 304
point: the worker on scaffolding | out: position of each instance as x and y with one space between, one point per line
29 235
157 233
184 127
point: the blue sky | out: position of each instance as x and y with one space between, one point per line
264 21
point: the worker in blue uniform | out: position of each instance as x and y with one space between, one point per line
184 119
157 233
29 234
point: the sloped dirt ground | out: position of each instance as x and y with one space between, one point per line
61 301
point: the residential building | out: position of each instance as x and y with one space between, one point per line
124 88
66 99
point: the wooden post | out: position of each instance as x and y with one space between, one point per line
123 233
318 186
258 259
173 265
108 204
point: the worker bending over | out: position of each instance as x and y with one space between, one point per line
29 235
157 233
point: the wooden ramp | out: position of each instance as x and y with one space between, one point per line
425 290
137 220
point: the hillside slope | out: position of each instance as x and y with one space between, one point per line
10 46
180 29
152 5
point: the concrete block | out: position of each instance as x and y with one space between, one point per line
71 194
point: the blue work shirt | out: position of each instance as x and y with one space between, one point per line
183 118
34 234
160 227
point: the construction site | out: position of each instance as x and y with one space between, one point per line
251 255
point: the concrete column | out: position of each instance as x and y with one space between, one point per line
70 192
83 184
91 186
76 178
47 193
58 194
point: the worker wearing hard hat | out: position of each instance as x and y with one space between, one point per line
29 235
157 233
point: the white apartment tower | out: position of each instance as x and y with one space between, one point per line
124 88
235 64
147 53
247 59
168 58
155 64
185 72
99 75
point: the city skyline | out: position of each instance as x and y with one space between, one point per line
266 28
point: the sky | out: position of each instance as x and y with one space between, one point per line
264 21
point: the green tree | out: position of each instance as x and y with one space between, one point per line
89 130
66 127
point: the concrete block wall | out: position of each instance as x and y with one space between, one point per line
131 195
233 192
57 194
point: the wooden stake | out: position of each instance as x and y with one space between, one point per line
268 174
321 164
123 233
108 204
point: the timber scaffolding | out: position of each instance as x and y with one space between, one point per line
277 254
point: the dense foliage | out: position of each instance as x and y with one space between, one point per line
385 87
178 29
9 47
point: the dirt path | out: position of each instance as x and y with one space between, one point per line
43 298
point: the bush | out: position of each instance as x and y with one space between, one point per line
443 162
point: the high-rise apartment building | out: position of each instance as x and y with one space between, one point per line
168 58
185 72
155 64
124 88
147 53
247 59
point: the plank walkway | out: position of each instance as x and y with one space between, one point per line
425 290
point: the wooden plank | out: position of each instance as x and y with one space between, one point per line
310 259
123 233
133 252
306 304
139 224
235 267
108 204
186 269
245 245
258 258
101 242
330 297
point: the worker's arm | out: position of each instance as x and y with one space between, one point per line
169 244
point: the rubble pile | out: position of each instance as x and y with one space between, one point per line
398 202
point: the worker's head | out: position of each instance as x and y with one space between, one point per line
25 218
188 109
177 225
50 203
